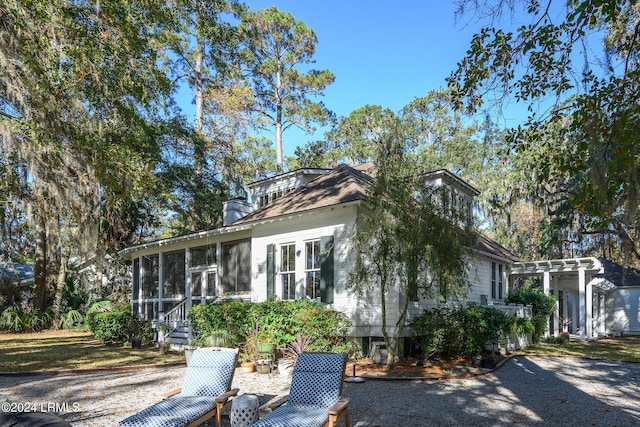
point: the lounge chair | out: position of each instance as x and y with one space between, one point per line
204 392
315 396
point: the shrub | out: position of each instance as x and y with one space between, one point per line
16 320
519 326
281 320
119 327
542 306
227 315
457 332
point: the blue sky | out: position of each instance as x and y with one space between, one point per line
381 53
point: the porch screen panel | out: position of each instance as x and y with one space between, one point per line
236 267
196 284
211 284
203 255
135 282
173 275
150 266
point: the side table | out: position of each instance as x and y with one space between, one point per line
244 410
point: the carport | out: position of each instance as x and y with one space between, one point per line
580 296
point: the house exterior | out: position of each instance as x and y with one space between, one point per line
290 240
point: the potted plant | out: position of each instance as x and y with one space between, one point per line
263 366
189 348
265 342
136 330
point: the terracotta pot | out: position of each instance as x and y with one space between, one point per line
247 367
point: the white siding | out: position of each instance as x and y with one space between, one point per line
623 310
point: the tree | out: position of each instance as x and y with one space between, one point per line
356 135
81 99
407 244
275 46
550 66
201 49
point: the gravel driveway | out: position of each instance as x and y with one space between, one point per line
525 391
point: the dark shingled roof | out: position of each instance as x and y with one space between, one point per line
343 184
485 244
618 274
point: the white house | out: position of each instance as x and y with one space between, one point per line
292 240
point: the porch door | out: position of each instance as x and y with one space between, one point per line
203 286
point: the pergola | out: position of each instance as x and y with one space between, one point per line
582 293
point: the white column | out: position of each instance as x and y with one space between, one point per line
187 279
139 296
546 280
601 331
589 314
565 307
574 312
556 311
582 287
160 281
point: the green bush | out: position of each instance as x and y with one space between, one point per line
14 319
542 306
457 332
226 315
280 320
119 327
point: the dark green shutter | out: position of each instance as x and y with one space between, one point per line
326 269
271 272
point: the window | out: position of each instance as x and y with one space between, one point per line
173 275
287 270
236 267
312 268
499 281
263 200
203 256
150 271
493 280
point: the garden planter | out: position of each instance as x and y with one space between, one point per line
265 347
263 366
188 352
136 343
247 367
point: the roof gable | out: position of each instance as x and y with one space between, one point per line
343 184
487 245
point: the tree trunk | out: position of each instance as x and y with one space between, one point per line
40 267
59 294
198 149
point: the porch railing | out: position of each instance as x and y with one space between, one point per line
178 313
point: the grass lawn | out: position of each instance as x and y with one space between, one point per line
65 349
60 350
625 349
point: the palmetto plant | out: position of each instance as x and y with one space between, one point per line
300 345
